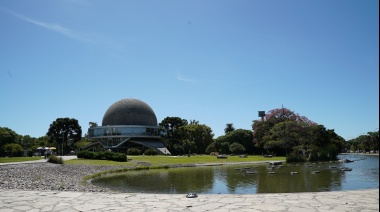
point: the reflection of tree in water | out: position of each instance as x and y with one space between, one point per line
231 179
197 180
237 178
177 180
304 181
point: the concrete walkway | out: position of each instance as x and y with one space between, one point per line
40 161
16 200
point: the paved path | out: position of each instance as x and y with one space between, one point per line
360 200
39 161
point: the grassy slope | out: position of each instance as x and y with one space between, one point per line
181 160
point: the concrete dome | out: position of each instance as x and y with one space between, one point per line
129 112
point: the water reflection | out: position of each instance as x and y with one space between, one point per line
170 181
249 179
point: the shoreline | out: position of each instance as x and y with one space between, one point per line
361 153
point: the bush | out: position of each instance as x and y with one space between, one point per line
329 152
211 148
55 159
214 153
12 150
326 153
133 151
86 155
105 155
120 157
237 148
294 157
150 152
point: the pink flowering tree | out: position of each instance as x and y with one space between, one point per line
280 131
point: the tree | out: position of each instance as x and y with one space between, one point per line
285 136
364 142
7 136
374 140
264 138
92 124
188 146
229 128
63 131
82 143
237 148
199 134
260 129
283 114
240 136
13 149
284 131
211 148
171 131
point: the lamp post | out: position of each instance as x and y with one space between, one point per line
63 141
262 115
286 149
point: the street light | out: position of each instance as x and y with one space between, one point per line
286 150
63 141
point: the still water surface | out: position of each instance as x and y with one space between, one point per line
251 178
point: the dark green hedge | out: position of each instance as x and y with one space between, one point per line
150 152
114 156
133 151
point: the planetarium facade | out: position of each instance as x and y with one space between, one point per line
128 123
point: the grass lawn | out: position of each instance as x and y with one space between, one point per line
19 159
98 162
174 160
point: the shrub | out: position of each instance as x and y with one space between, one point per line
294 157
133 151
211 148
214 153
105 155
86 155
55 159
150 152
329 152
13 150
120 157
237 148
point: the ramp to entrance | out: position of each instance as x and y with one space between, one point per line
154 145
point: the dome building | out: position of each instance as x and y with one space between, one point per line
128 123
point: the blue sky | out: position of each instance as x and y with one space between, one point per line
217 61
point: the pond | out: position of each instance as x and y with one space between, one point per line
251 178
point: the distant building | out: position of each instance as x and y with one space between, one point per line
128 123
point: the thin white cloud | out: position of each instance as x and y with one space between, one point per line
52 27
77 2
184 79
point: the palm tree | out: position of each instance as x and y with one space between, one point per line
229 128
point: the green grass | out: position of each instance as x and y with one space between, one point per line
180 160
98 162
157 162
19 159
204 159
